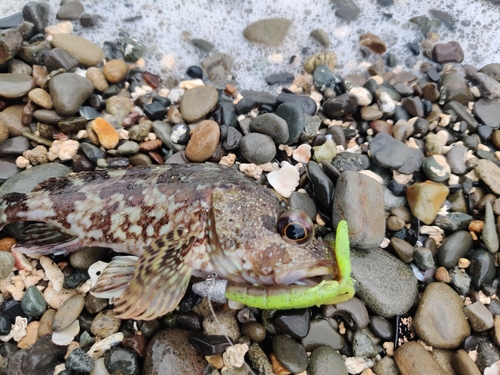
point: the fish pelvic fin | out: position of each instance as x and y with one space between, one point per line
115 278
42 238
160 278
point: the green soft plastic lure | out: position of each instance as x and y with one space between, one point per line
285 297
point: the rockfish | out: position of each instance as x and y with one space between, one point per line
178 221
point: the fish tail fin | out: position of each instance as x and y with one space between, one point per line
160 278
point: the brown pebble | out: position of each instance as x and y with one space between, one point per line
41 97
495 138
442 275
157 158
476 226
496 329
277 366
97 77
40 75
31 335
412 359
372 42
137 343
45 327
395 223
108 136
203 141
151 79
215 360
150 145
115 70
230 90
447 52
7 243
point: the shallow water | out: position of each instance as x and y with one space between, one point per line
167 26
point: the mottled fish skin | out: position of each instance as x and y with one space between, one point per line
180 220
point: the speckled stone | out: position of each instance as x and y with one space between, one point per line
105 324
384 283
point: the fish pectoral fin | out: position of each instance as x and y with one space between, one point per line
115 278
41 238
160 279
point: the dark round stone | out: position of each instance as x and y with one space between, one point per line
194 71
290 353
80 163
191 321
414 48
155 111
382 327
76 279
255 331
122 361
433 75
5 325
484 132
244 106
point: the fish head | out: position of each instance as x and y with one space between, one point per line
253 238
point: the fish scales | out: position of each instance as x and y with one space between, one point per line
178 220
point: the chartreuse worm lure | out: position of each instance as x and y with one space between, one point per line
283 297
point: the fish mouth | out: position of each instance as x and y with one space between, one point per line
303 275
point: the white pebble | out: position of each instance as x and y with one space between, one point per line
19 329
284 181
167 62
82 134
191 83
67 335
64 150
53 273
22 162
151 136
356 365
364 96
234 356
99 348
59 368
123 134
494 369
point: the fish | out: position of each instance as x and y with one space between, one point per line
174 221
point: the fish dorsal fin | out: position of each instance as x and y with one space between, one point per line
41 238
160 278
115 278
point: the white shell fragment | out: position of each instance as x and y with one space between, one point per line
99 368
17 331
284 181
95 271
99 348
65 337
53 273
302 154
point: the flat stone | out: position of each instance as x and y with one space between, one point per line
68 92
87 52
15 85
295 119
359 200
325 360
11 119
489 173
10 43
198 102
488 112
384 283
479 317
439 319
290 353
270 31
373 42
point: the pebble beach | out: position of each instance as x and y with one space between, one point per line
386 116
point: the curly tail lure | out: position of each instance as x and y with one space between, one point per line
300 296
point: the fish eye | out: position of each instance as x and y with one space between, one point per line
295 227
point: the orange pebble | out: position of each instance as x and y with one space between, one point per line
108 136
476 226
277 366
7 243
